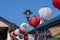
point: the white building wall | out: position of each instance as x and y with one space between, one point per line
3 24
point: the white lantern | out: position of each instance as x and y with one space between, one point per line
45 13
24 27
17 32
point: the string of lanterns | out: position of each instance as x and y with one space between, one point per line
34 21
22 30
44 14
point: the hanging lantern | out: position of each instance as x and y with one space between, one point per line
21 31
34 21
56 4
45 13
24 27
16 32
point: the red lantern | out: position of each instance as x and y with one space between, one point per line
21 31
56 3
34 21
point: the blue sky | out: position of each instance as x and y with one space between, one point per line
12 10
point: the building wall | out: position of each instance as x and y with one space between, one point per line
3 24
55 31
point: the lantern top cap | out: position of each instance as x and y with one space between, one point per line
27 11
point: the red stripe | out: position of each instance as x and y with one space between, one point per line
22 32
14 33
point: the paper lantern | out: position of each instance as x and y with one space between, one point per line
56 4
16 32
34 21
21 31
45 13
24 27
